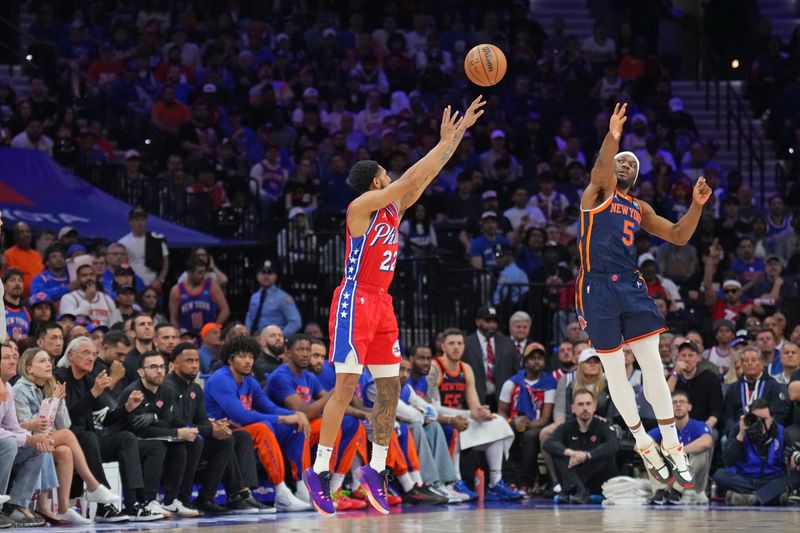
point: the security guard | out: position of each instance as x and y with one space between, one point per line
271 305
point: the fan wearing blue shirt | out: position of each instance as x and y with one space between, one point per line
695 435
295 387
233 393
481 249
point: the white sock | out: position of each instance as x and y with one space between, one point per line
620 388
669 435
656 389
406 482
494 458
643 440
323 461
416 477
336 482
281 489
378 461
457 462
302 492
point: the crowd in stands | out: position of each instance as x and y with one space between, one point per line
266 106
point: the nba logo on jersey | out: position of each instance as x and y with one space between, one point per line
396 349
582 322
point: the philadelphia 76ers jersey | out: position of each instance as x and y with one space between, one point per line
371 258
607 234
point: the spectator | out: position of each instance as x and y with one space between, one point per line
25 451
297 243
512 282
149 304
228 453
698 445
755 384
211 337
272 356
701 386
770 355
208 191
565 362
418 234
35 387
270 177
482 247
82 398
497 152
522 215
117 261
22 257
233 393
50 337
658 285
33 138
54 280
88 300
197 301
790 360
111 353
152 420
719 355
526 401
147 252
17 318
271 305
754 472
519 329
747 266
143 341
583 450
551 202
166 338
733 303
42 310
491 356
168 115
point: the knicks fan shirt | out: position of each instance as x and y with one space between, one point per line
282 383
371 258
18 321
607 235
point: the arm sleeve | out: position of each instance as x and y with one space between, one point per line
224 393
555 444
406 413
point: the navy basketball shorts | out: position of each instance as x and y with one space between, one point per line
615 308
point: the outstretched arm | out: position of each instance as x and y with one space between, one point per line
408 187
603 178
681 231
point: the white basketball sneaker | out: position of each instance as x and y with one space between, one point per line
679 465
654 463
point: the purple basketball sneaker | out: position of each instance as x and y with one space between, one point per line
319 490
376 487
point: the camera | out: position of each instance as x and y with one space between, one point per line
753 424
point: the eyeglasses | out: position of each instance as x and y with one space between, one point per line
679 402
155 368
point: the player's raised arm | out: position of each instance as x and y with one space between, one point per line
408 187
681 231
603 178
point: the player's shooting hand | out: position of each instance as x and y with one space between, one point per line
702 192
617 120
473 112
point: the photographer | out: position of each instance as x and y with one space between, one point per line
754 472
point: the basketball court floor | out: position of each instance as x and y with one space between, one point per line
529 516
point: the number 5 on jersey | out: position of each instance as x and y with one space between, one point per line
627 233
389 261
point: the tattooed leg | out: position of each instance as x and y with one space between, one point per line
384 409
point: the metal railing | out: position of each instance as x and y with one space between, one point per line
737 118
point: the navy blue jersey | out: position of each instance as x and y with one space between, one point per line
197 308
18 321
607 235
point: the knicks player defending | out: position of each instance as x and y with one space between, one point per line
363 328
612 301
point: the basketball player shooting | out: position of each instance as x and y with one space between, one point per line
363 328
612 301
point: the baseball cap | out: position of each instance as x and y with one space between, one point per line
281 37
387 131
534 349
126 288
773 257
488 214
310 91
82 320
498 134
208 328
487 311
136 212
675 104
587 354
124 269
329 32
66 230
645 258
132 154
82 261
487 195
268 267
39 298
209 88
731 283
689 344
94 327
295 212
75 248
65 315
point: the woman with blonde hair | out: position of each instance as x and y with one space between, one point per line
40 406
735 370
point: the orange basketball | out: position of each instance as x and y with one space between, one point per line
485 65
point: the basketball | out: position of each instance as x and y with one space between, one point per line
485 65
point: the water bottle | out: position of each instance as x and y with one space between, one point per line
480 480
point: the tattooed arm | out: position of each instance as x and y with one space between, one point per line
384 409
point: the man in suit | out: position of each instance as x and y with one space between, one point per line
519 328
491 356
